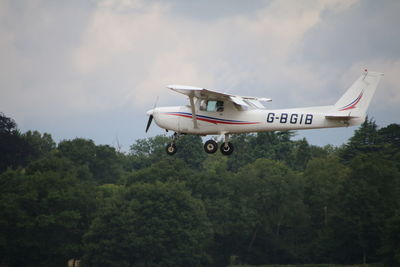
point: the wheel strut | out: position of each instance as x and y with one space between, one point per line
171 147
227 147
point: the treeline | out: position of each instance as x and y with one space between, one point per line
275 200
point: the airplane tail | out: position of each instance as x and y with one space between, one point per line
355 101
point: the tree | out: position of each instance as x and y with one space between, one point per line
166 170
12 147
147 151
368 198
190 150
61 166
271 145
391 135
43 217
16 149
213 186
103 161
107 166
244 151
158 224
39 145
365 139
274 145
323 181
79 150
391 246
301 155
269 214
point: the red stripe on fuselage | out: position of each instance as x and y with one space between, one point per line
214 121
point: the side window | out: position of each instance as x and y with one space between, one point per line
211 105
203 105
214 106
220 106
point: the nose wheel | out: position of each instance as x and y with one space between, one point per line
210 147
171 149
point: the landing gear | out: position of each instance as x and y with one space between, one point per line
227 148
171 149
210 146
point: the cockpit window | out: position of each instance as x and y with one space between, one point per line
220 106
212 105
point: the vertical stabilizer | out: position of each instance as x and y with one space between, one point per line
357 98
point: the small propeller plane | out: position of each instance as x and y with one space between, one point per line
213 113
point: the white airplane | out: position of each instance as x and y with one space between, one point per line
214 113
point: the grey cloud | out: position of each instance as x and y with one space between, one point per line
105 62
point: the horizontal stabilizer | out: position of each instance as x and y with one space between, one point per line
341 116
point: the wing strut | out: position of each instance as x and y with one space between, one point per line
194 117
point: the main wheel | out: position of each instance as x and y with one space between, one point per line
210 146
227 149
171 149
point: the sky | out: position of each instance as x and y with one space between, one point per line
92 69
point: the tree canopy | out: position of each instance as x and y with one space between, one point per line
275 200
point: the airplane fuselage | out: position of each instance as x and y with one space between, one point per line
179 119
214 113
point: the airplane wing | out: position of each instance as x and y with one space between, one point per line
202 93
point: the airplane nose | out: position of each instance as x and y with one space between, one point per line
150 112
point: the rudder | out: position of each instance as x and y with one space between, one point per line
357 98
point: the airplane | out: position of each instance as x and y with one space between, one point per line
213 113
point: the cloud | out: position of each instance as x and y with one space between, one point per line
152 47
66 59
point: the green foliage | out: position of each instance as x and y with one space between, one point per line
272 194
107 165
190 150
169 169
158 224
148 151
79 150
12 147
368 198
40 145
272 145
103 161
390 135
365 139
390 248
323 180
273 201
43 217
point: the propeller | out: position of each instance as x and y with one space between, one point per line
149 122
150 113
